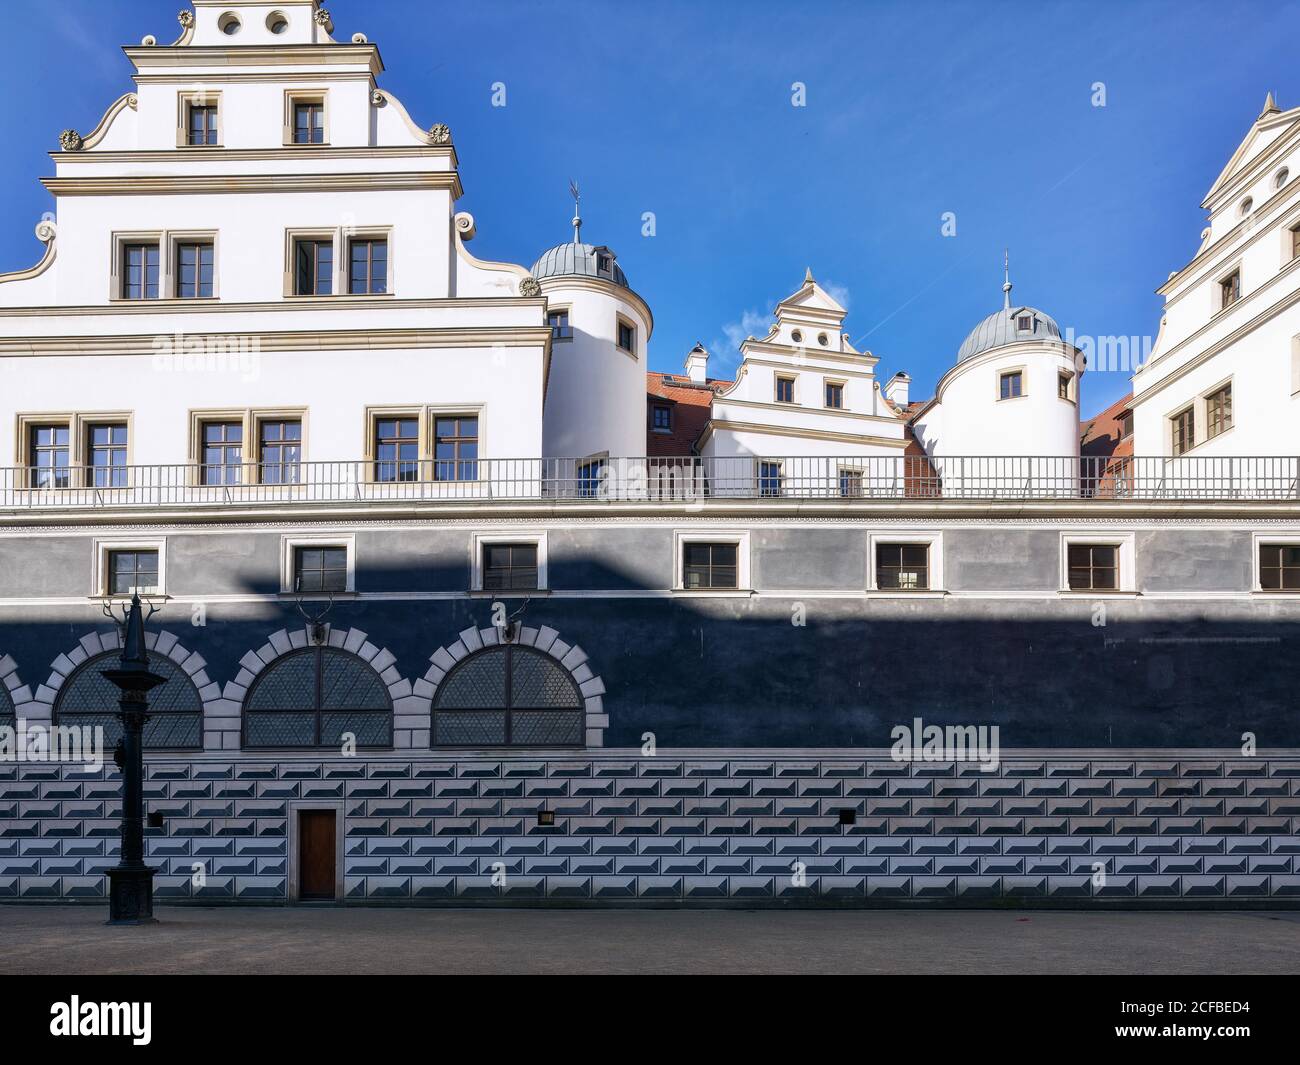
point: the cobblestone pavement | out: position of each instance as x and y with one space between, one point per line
74 939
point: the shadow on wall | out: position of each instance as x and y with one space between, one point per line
781 672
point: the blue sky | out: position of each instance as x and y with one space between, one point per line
684 109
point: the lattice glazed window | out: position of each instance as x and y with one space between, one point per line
88 700
508 697
316 698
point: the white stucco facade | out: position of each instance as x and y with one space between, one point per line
804 390
1232 315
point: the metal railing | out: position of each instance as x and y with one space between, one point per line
656 479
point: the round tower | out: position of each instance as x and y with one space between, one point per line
596 391
1012 396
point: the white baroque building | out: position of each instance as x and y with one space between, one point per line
1223 380
446 577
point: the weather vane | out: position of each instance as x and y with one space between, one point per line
576 193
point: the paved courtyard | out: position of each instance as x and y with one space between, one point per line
74 939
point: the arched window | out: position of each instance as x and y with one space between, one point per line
508 696
314 698
87 700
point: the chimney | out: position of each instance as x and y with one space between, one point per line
896 390
697 364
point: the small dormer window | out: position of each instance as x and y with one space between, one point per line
1025 323
604 264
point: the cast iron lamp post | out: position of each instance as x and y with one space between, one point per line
130 882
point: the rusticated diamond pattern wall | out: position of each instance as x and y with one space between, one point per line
743 827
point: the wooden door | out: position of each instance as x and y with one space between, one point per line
316 854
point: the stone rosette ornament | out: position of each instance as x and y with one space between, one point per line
70 140
440 134
186 19
529 288
324 20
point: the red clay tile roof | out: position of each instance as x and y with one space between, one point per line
1103 435
691 405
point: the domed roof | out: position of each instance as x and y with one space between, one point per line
1010 325
580 260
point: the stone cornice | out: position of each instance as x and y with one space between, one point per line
296 303
279 183
716 424
608 288
305 55
1049 513
171 156
305 340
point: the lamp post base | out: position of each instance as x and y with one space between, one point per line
130 896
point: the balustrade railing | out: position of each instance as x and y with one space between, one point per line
681 479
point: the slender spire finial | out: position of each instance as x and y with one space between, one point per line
808 277
577 214
1006 285
1270 106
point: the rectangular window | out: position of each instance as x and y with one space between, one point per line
194 271
709 566
1279 567
1184 431
559 323
202 126
769 478
223 453
130 572
1063 385
1218 412
140 271
1230 289
313 267
1093 567
661 417
280 445
320 569
591 478
1024 323
1295 242
455 449
851 484
626 337
397 449
368 268
509 567
904 567
50 456
785 389
106 457
1011 385
309 122
834 395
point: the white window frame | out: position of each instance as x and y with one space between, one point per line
288 550
1127 544
933 539
739 537
103 547
1259 540
479 541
